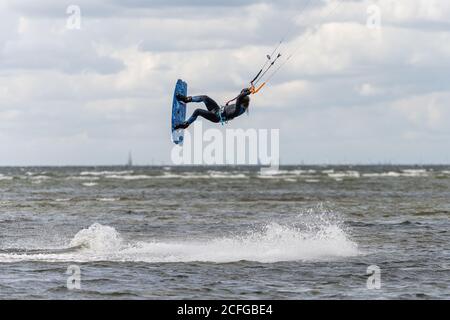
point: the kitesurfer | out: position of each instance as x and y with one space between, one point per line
214 112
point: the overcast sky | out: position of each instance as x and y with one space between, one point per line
351 94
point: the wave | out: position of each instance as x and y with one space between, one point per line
403 173
274 172
286 174
41 177
83 178
415 172
226 175
90 184
128 177
105 173
344 174
391 174
307 175
210 175
270 244
107 199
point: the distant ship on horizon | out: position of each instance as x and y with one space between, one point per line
130 160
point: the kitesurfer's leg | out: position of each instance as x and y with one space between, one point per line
210 104
184 99
208 115
211 114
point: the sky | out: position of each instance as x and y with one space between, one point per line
368 82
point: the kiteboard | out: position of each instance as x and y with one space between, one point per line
178 112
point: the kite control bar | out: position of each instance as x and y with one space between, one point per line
254 90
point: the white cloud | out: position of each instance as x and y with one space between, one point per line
427 112
367 89
89 95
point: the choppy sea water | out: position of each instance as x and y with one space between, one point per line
225 233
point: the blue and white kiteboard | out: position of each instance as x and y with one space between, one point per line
178 112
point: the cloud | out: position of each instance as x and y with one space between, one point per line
349 93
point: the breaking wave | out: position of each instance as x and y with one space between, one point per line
105 173
3 177
286 174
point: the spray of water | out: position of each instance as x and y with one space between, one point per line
316 235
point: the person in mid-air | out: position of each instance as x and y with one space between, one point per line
215 113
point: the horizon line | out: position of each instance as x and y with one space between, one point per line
224 165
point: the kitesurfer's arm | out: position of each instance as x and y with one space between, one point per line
228 103
245 92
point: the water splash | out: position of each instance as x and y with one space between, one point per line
317 238
98 238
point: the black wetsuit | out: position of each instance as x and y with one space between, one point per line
215 113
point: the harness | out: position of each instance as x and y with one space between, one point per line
220 112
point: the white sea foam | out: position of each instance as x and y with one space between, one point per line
269 173
105 173
285 174
98 238
403 173
83 178
277 175
415 172
128 177
344 174
106 199
90 184
210 175
3 177
383 174
40 177
273 243
302 172
182 176
223 175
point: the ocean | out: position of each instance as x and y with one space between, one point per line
301 232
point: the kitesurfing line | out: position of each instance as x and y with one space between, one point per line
300 46
263 72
